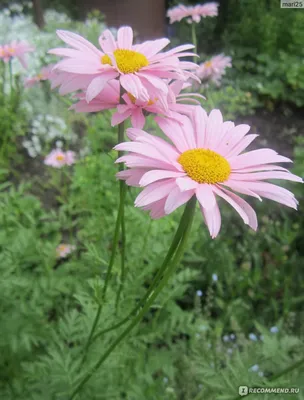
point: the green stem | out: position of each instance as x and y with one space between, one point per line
194 39
156 279
288 369
11 75
122 190
189 211
120 217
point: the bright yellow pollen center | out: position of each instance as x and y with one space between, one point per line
205 166
60 157
208 64
128 61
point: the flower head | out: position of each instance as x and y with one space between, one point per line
44 75
15 49
274 329
192 13
58 158
199 293
63 250
214 69
204 160
172 106
140 68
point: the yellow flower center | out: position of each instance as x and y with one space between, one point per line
205 166
60 157
128 61
208 64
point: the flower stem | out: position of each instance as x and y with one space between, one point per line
189 212
119 223
122 191
11 76
156 279
194 38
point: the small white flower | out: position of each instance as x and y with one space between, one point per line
254 368
214 277
232 336
274 329
199 293
165 379
253 337
226 338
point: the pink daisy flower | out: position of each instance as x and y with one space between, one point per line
138 109
15 49
205 160
63 250
44 75
139 68
58 158
192 13
214 69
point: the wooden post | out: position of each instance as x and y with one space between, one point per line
38 14
146 17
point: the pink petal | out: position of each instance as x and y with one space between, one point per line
78 42
265 175
152 47
231 200
125 37
118 118
200 123
233 138
144 149
156 175
242 145
137 119
98 84
107 42
256 157
132 84
213 220
239 187
135 161
205 196
131 176
248 210
154 191
154 81
176 198
186 183
214 126
174 132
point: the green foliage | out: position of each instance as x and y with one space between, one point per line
180 350
13 118
231 100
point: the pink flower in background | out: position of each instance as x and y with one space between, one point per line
214 69
137 109
63 250
140 68
58 158
192 13
44 75
16 49
205 160
107 99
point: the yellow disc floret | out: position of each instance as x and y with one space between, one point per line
60 157
128 61
205 166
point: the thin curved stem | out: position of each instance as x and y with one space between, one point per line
194 38
189 211
156 279
119 223
122 191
